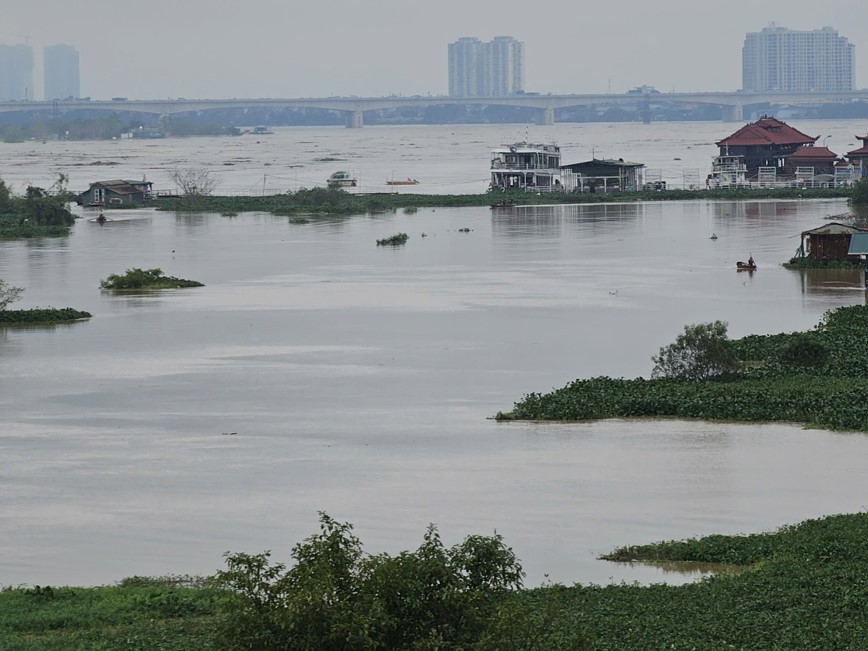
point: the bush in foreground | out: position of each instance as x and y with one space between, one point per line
336 597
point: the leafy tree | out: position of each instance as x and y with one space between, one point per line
8 294
5 197
338 598
43 209
859 194
702 352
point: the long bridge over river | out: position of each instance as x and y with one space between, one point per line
732 104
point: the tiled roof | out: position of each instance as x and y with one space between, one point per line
766 131
813 153
862 151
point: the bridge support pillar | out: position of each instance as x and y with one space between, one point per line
547 116
734 113
356 120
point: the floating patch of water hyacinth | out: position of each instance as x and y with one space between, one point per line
395 240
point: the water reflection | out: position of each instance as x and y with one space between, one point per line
550 221
844 283
686 569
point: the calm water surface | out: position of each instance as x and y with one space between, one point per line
359 380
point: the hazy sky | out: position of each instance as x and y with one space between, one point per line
288 48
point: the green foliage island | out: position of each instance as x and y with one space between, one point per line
818 378
395 240
145 279
800 588
40 213
10 294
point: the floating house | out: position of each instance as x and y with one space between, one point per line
116 193
604 176
525 166
830 242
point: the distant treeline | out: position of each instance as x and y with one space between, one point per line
83 124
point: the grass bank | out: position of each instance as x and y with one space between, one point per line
805 588
326 201
771 384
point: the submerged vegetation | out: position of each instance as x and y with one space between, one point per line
10 294
395 240
818 378
39 213
337 201
42 315
803 588
145 279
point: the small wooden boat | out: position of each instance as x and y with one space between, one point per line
745 266
407 182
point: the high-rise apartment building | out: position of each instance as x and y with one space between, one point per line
503 73
16 72
779 59
61 72
494 69
465 67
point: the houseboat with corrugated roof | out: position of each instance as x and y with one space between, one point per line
525 166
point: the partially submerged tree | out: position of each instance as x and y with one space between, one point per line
702 352
9 294
194 181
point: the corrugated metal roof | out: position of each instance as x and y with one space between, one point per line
604 162
858 244
833 228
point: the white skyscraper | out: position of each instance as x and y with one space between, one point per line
779 59
465 67
61 72
503 72
493 69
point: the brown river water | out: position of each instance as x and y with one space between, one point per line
316 371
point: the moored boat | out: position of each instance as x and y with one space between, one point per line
525 166
341 179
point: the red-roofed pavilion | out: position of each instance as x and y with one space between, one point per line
765 143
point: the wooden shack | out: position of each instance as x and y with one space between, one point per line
827 243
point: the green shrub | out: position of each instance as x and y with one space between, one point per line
805 350
701 352
336 597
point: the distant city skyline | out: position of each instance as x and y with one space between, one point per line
385 47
